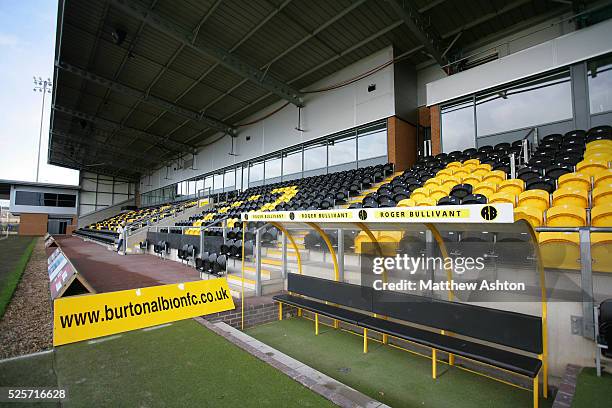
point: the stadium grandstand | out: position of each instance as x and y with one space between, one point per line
408 202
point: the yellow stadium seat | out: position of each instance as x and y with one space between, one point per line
602 177
566 216
479 171
469 167
602 194
560 250
539 199
445 172
503 197
421 192
461 173
408 202
475 162
426 201
571 196
601 215
601 249
448 185
485 188
512 186
581 181
432 182
472 179
437 194
533 215
596 144
485 166
453 165
598 155
495 176
591 166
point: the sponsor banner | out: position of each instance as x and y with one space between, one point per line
203 202
60 272
86 317
474 213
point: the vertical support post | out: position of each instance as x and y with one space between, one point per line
280 311
586 281
525 151
385 339
365 340
429 251
258 262
536 391
284 257
316 324
433 363
512 165
340 255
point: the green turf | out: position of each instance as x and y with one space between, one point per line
593 391
181 365
36 371
394 377
15 253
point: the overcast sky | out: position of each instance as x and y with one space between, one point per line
27 46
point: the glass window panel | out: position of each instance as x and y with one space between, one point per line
229 180
218 182
50 200
208 185
342 151
457 123
536 102
315 157
372 143
199 186
600 84
273 168
239 178
292 163
256 172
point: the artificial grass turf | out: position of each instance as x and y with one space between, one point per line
593 391
181 365
392 376
15 253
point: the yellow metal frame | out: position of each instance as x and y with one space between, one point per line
244 226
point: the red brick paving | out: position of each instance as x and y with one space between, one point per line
107 272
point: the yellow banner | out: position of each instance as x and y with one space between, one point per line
86 317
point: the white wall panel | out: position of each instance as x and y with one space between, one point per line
558 52
323 114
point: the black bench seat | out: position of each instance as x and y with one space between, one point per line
334 312
507 360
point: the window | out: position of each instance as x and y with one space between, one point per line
342 151
256 174
457 122
534 102
199 187
600 84
292 164
372 142
229 180
218 183
315 157
208 185
40 199
273 170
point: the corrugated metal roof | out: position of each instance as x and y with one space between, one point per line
304 41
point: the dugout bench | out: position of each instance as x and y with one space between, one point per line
512 341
